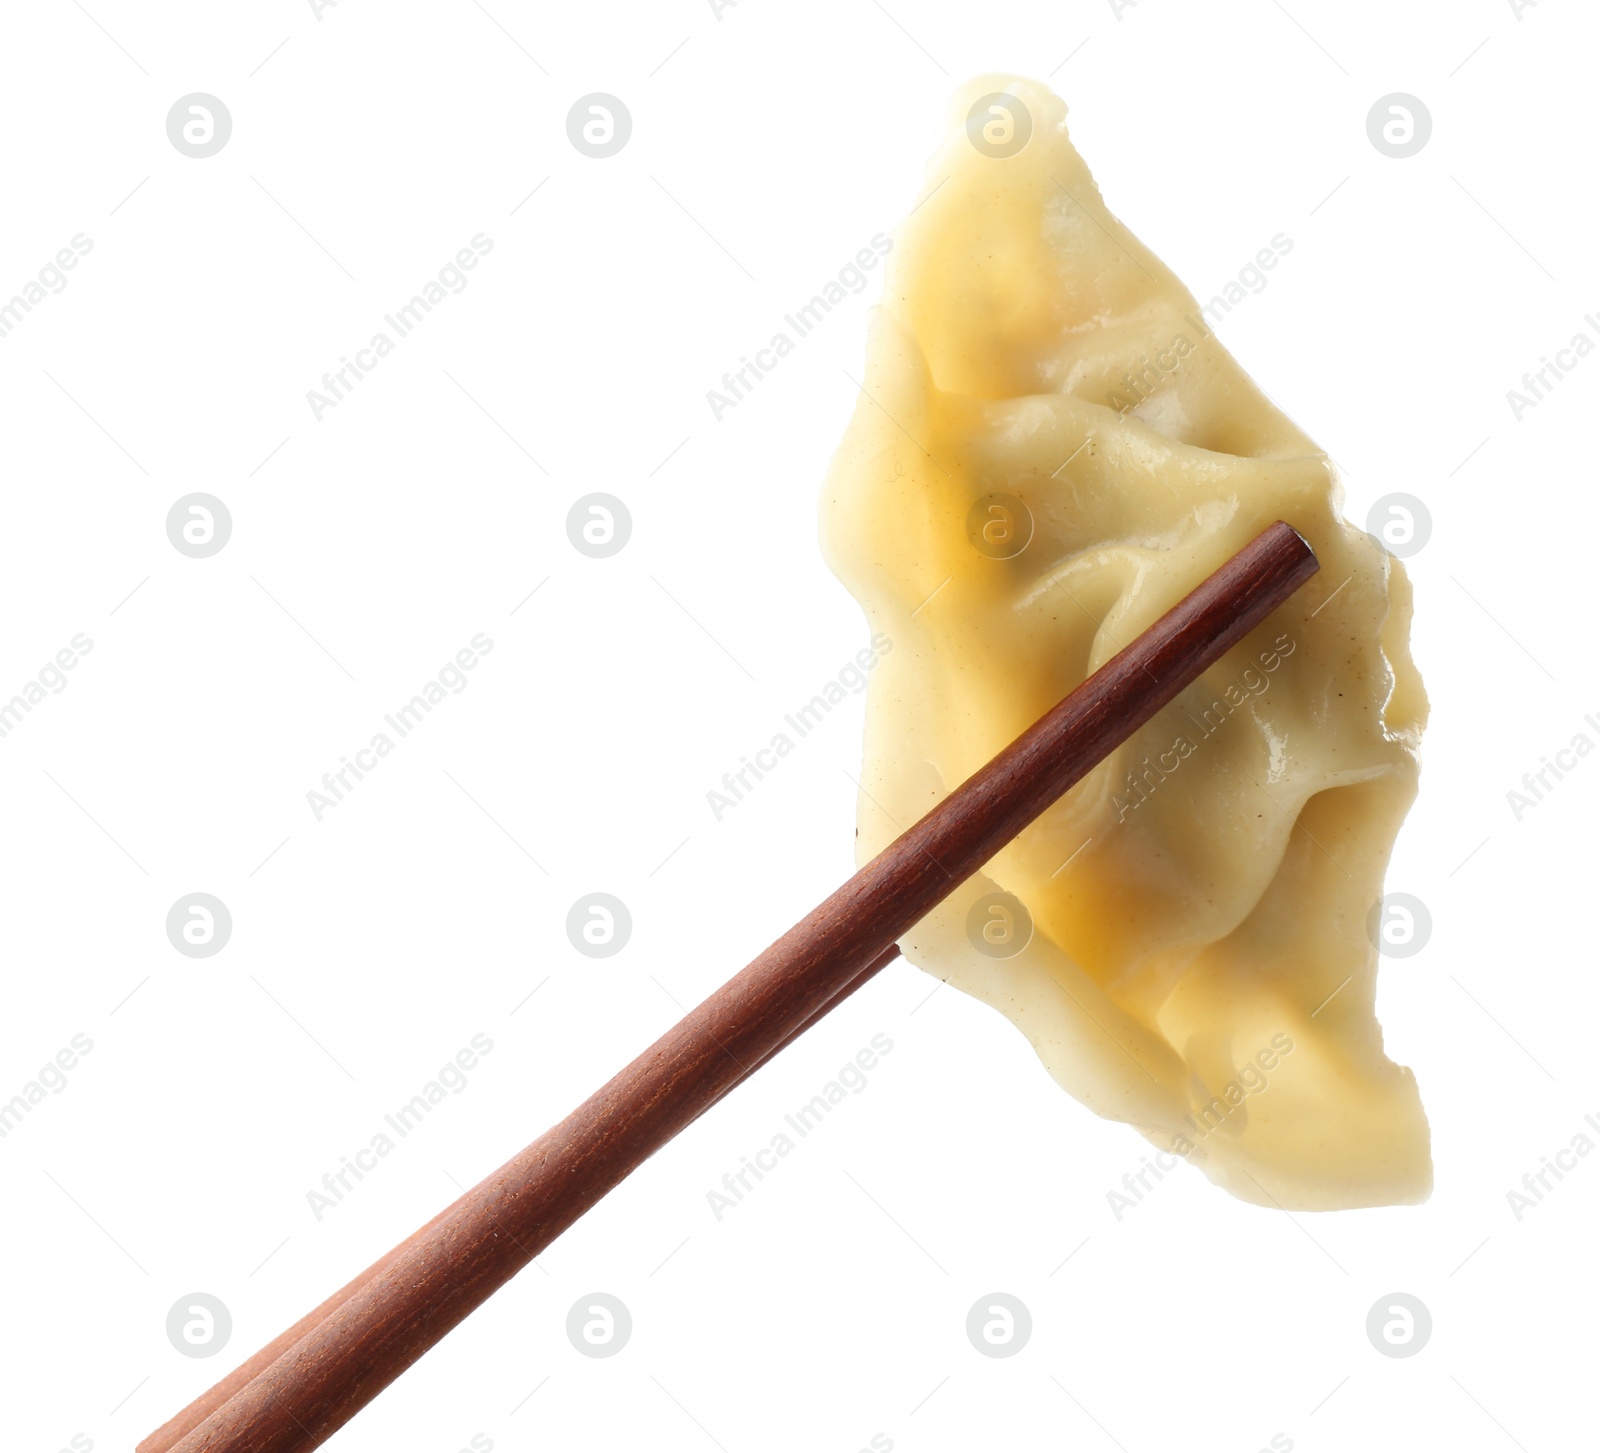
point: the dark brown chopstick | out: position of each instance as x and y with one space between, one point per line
350 1349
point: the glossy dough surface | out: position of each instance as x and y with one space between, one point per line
1200 962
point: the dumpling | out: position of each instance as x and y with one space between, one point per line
1050 449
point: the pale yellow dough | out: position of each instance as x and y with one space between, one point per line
1198 899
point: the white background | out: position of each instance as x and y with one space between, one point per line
769 145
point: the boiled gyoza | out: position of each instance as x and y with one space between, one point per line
1051 448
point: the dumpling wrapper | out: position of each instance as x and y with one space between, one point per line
1201 964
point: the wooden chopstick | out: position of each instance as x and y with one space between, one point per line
335 1361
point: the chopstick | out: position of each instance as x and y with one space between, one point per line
307 1384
